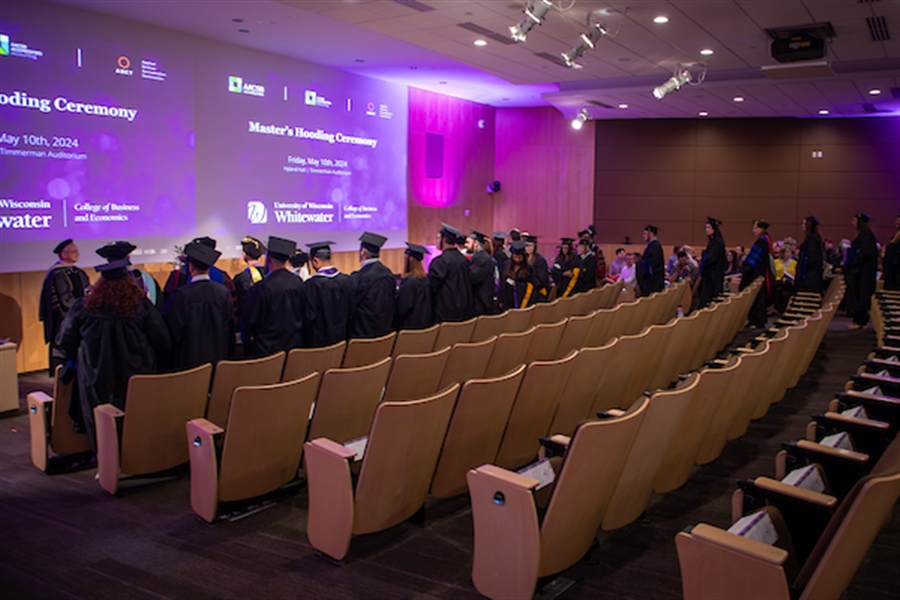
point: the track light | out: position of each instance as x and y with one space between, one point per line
582 118
534 14
586 41
675 83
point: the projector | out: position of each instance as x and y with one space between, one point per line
801 46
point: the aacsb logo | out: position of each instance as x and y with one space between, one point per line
257 213
4 44
235 84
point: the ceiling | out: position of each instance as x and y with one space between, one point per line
430 44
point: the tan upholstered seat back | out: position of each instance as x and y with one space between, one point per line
416 376
415 341
519 319
347 400
509 352
574 335
230 374
578 395
362 352
303 361
488 326
544 341
467 361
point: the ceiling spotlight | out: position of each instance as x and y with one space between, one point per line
738 98
480 43
703 113
823 111
874 92
623 106
582 118
674 83
707 52
534 14
661 20
585 42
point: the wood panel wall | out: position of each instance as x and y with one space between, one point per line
675 173
546 173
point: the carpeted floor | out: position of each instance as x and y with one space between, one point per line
62 537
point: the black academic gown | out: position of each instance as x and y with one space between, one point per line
712 270
327 308
892 264
651 271
587 276
372 291
200 318
63 285
243 281
179 278
481 273
272 320
809 267
540 271
860 270
451 286
565 285
757 264
519 291
108 349
413 307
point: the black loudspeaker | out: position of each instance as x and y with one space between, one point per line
493 186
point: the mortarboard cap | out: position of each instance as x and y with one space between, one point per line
450 232
62 245
252 247
861 216
280 248
298 259
567 240
500 235
714 223
372 241
416 251
761 223
652 229
515 234
201 254
206 241
114 270
316 247
812 219
116 250
585 232
517 247
477 235
531 239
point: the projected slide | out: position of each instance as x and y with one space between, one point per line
96 139
300 152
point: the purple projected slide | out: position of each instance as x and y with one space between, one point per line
96 140
301 152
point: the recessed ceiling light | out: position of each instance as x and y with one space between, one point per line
738 98
480 42
413 68
707 52
243 30
661 19
823 111
505 99
237 20
360 60
623 105
442 82
703 113
874 92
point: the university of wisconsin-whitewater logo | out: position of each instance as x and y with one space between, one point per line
257 213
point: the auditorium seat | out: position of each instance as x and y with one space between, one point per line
415 341
509 352
619 324
397 467
467 361
415 376
366 351
651 377
575 334
600 325
454 332
532 413
544 341
303 361
475 431
230 374
261 447
488 326
52 429
347 400
582 304
616 389
519 319
563 309
580 389
513 547
543 312
152 425
639 316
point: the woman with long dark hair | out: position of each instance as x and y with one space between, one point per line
712 263
519 281
860 270
757 264
109 335
412 306
809 266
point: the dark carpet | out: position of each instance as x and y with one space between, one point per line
61 536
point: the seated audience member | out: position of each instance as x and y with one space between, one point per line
109 335
601 267
833 254
684 269
689 250
628 274
785 273
672 261
732 263
200 316
413 305
518 286
616 266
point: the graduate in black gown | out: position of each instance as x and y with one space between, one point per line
812 258
651 270
272 320
566 268
109 335
372 290
123 249
712 263
860 271
179 277
757 264
450 280
413 307
892 261
252 250
518 285
63 285
200 316
587 276
327 293
540 270
481 274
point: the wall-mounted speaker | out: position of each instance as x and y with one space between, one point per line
493 186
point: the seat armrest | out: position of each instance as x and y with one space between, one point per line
815 498
758 550
39 407
201 440
331 498
107 419
554 445
836 416
332 447
850 455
